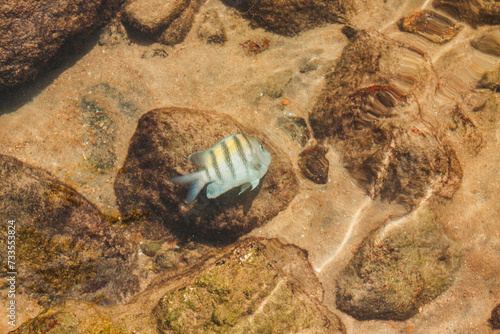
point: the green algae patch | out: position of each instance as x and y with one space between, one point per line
243 292
402 267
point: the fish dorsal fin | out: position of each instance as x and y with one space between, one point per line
198 158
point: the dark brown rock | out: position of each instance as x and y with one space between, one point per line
33 32
398 269
168 22
292 16
64 246
495 317
258 286
431 25
314 165
159 151
368 114
474 12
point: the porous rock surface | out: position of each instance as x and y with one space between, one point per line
64 246
290 17
368 110
33 32
159 150
398 269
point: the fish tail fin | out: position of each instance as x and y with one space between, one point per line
195 181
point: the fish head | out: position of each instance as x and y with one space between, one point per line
263 156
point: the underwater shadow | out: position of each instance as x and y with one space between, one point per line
210 210
68 55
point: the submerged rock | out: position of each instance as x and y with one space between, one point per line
400 268
289 17
65 246
259 286
491 80
489 42
474 12
211 28
431 25
33 32
296 128
166 21
255 286
369 112
314 165
159 150
495 317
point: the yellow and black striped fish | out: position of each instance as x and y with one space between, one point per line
237 160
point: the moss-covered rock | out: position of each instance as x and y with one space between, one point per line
64 246
400 268
72 316
259 286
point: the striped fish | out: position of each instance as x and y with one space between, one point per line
237 160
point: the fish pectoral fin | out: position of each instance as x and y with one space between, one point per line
198 158
254 183
244 187
214 190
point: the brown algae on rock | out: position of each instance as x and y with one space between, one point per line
159 150
246 291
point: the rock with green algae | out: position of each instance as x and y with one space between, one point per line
64 245
400 268
258 286
72 316
254 286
